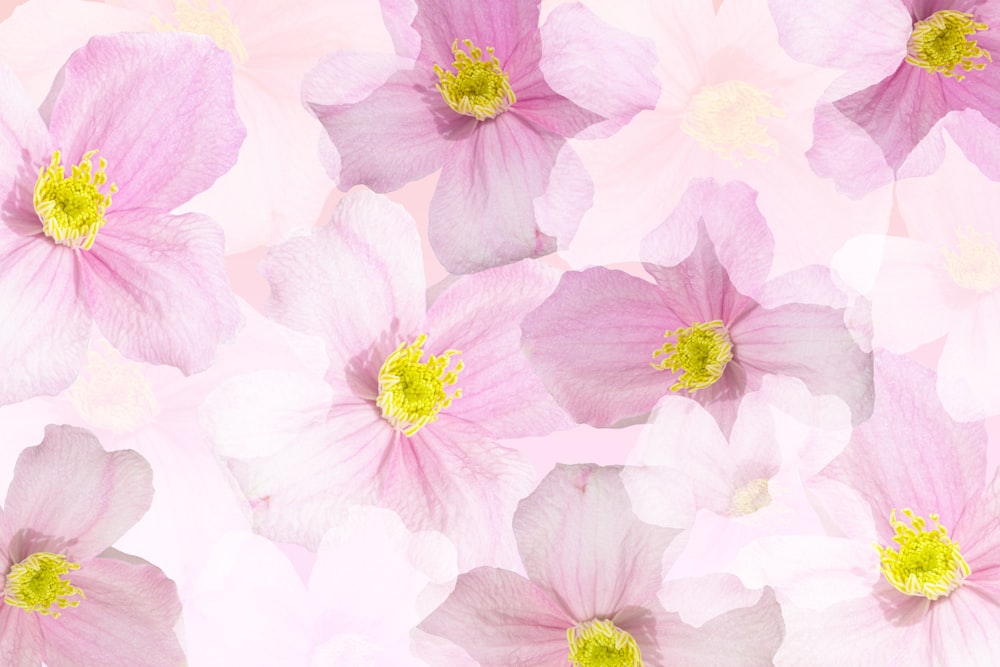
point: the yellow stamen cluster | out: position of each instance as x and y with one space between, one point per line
480 88
940 43
976 265
749 498
36 583
112 392
196 16
411 392
728 118
598 643
72 209
700 353
927 563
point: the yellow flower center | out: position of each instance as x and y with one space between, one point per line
411 392
111 392
72 209
747 499
976 265
728 118
927 563
197 16
940 43
598 643
700 353
36 583
480 88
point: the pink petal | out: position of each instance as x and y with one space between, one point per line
978 533
497 23
592 345
599 67
23 139
398 16
21 640
46 323
73 497
136 98
845 152
482 213
700 599
502 620
157 287
580 542
974 135
354 281
127 618
479 315
969 363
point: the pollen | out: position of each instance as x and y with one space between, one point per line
599 643
976 264
478 88
205 18
412 392
37 583
72 209
700 353
729 118
927 562
752 496
940 43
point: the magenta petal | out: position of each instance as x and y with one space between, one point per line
127 618
580 541
158 107
502 619
592 344
20 638
69 495
497 23
482 213
158 290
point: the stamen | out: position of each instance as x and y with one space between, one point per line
36 583
599 643
700 353
112 392
480 88
412 392
197 17
940 43
728 118
747 499
927 563
976 265
72 209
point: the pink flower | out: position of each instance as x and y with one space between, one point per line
598 341
591 591
914 63
413 396
932 593
488 97
134 126
71 599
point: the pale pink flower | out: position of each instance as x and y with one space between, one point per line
593 573
488 97
134 126
413 396
70 598
598 341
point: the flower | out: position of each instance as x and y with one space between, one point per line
590 596
405 415
134 126
71 599
598 341
489 98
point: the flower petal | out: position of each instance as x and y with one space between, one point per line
21 642
497 23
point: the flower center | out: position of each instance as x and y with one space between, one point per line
976 265
598 643
36 583
940 43
197 17
727 118
480 87
412 392
72 209
928 563
749 498
112 392
700 353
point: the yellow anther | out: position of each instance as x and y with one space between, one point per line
700 353
36 583
199 17
728 118
72 209
749 498
599 643
927 563
411 392
976 265
480 88
940 43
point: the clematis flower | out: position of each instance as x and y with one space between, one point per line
489 98
913 64
405 415
909 494
70 598
134 126
598 341
590 595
